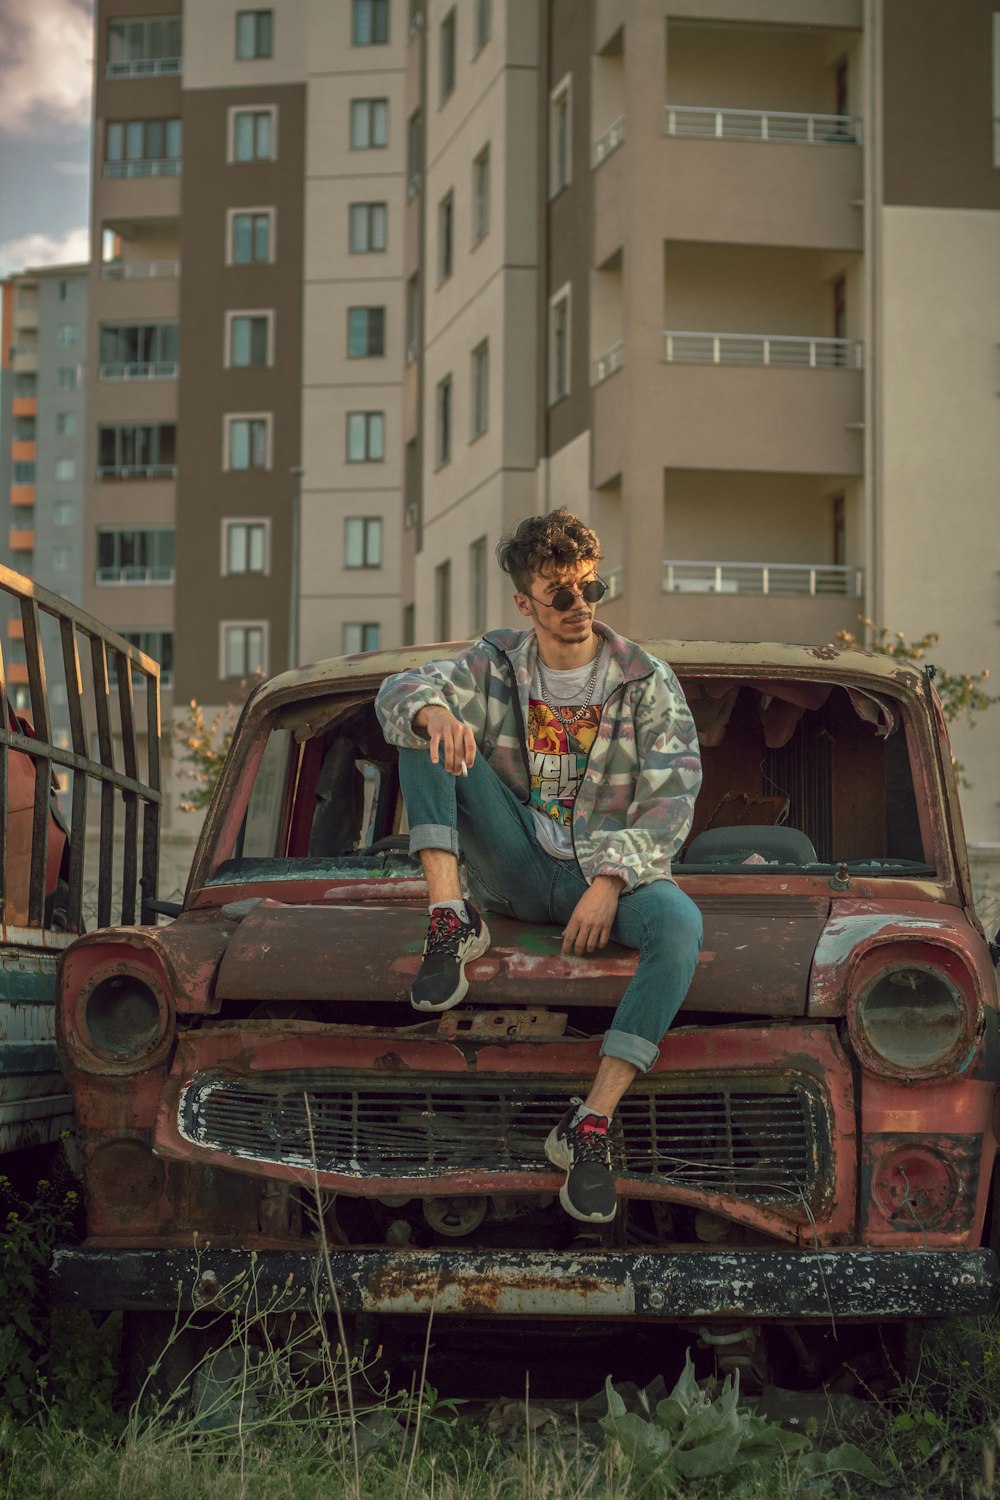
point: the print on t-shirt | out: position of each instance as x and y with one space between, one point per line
557 755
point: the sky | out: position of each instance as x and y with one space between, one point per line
46 79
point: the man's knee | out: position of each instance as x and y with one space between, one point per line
673 921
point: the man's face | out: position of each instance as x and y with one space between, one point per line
567 627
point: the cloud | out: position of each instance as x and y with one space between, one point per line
46 63
44 250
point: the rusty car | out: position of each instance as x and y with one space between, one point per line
815 1147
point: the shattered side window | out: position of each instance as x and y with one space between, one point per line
265 810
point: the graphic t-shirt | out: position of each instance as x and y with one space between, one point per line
557 751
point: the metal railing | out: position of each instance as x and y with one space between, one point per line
607 363
143 67
136 471
159 369
698 123
127 574
681 346
413 350
167 166
414 185
140 270
790 580
608 142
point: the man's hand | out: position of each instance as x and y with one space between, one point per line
593 916
450 739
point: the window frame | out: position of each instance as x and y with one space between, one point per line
482 30
370 526
362 626
252 314
561 108
371 417
446 239
231 417
368 206
232 114
368 353
375 9
442 601
370 109
444 421
259 30
480 387
481 192
559 301
478 584
265 211
447 56
226 526
264 627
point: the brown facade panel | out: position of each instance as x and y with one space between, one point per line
208 492
938 104
570 213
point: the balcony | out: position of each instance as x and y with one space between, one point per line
798 580
154 370
144 67
771 126
128 574
608 142
26 313
15 628
24 406
136 471
779 350
25 360
140 270
167 166
24 451
22 496
607 363
21 540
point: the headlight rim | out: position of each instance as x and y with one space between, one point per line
966 1038
94 1058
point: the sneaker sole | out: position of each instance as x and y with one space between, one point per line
558 1155
477 950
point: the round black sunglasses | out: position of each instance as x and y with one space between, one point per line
562 600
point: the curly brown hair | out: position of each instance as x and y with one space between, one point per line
554 542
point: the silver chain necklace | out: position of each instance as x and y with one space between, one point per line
591 684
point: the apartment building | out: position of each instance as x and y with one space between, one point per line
42 428
710 272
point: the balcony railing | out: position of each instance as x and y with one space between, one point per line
682 347
414 185
135 575
699 123
786 579
140 270
136 471
608 142
607 363
167 166
143 67
154 370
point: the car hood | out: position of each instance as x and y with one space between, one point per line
756 958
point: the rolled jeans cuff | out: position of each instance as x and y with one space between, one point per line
631 1049
433 836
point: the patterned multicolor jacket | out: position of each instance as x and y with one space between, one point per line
636 799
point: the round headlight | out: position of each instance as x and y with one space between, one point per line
123 1016
911 1016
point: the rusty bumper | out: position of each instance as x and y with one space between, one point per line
668 1285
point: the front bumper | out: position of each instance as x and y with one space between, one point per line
662 1285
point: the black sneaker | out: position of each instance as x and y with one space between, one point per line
449 946
582 1150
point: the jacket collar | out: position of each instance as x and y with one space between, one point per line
521 647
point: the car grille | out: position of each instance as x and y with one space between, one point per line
761 1139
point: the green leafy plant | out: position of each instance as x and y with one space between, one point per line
690 1436
204 745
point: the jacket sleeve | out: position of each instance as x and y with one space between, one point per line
669 776
461 685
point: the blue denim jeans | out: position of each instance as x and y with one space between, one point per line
510 872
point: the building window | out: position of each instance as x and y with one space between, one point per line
65 469
363 542
253 134
480 389
447 54
442 601
132 451
142 148
67 379
443 434
62 558
67 291
481 195
23 471
139 351
249 339
356 636
365 437
560 137
482 24
367 227
365 332
559 345
248 442
369 124
251 236
63 513
446 237
135 556
245 547
254 34
409 624
65 423
414 153
412 318
244 648
159 644
477 586
142 48
67 335
369 23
